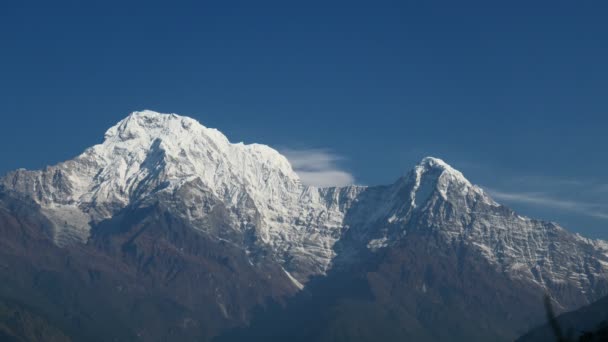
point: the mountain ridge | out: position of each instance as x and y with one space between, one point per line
249 198
150 153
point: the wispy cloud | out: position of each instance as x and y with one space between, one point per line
318 167
548 201
552 182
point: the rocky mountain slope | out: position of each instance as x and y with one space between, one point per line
164 206
150 155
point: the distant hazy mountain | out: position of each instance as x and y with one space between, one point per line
167 231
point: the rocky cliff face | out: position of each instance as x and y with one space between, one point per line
161 190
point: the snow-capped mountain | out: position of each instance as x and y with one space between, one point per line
167 209
193 170
150 154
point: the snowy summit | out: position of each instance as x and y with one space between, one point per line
198 174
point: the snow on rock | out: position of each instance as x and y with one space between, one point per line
150 156
149 153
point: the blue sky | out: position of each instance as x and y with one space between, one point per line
513 94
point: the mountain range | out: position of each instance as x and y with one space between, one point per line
168 231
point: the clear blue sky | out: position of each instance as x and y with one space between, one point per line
512 93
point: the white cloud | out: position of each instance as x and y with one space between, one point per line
544 200
318 167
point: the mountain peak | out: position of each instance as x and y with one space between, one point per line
149 125
433 174
434 162
192 151
438 165
185 141
441 171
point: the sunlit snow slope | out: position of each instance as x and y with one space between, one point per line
150 157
